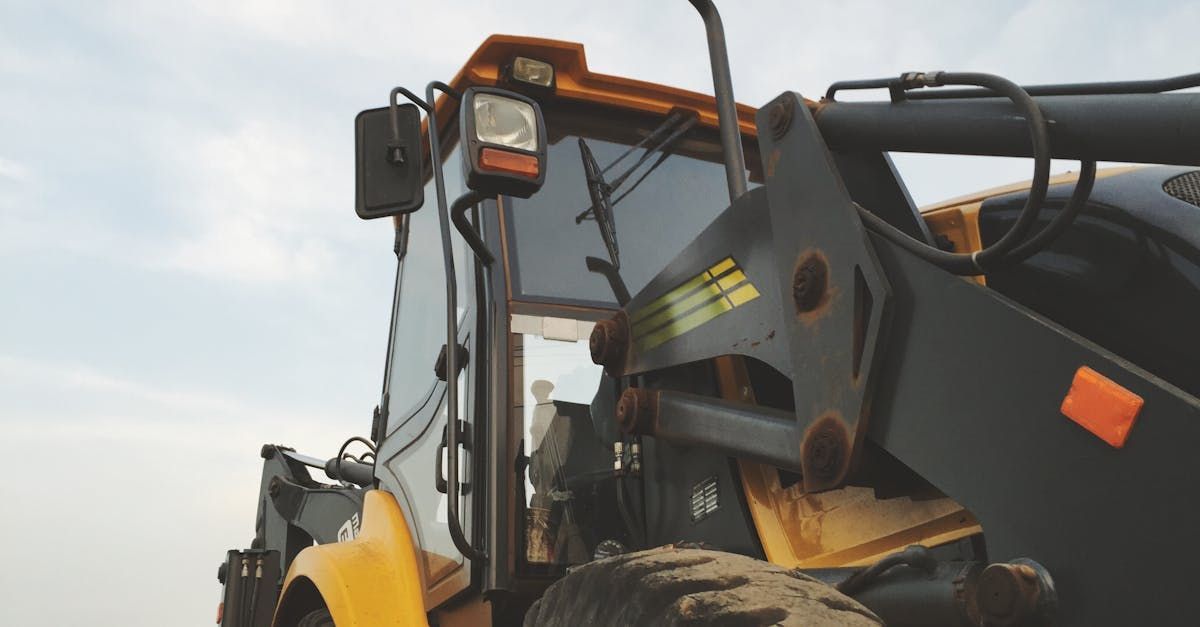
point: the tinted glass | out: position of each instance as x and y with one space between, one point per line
664 213
568 490
420 321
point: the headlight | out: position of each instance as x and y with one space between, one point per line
505 122
533 71
505 142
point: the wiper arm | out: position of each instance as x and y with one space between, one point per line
665 148
673 128
673 118
662 139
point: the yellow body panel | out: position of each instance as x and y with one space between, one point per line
844 527
372 580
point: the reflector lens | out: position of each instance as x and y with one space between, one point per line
533 71
508 162
504 121
1102 406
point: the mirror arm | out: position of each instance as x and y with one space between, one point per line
398 157
400 244
452 485
458 214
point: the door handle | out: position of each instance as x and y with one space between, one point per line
464 439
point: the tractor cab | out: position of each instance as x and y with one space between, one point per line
641 323
633 173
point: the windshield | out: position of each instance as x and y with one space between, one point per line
548 247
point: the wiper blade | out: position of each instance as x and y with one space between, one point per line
601 196
660 140
678 123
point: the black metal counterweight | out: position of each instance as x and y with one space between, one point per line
1140 128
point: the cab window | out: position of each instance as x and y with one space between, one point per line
420 320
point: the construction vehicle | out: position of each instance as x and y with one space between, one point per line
658 358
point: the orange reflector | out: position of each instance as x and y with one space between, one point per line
510 162
1101 406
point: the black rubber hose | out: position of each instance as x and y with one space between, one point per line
980 261
254 590
915 556
1152 86
635 532
1060 222
1045 237
337 461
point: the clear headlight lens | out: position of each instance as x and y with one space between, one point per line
504 121
533 71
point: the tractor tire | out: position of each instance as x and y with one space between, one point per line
677 586
319 618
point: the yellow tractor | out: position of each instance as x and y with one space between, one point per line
657 358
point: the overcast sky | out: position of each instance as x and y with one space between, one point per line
182 276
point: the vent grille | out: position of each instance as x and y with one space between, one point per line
705 499
1185 187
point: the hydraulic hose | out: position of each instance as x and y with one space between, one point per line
1060 222
991 256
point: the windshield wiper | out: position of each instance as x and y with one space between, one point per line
600 193
660 140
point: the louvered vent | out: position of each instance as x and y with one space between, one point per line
1185 187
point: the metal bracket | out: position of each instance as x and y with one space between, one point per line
294 510
786 275
830 283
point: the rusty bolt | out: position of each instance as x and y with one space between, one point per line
273 487
779 116
824 452
810 282
608 341
637 411
1006 595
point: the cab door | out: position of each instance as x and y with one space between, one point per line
409 456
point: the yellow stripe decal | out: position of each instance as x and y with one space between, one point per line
743 295
729 281
719 289
666 299
677 309
721 266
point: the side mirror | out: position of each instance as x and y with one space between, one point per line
505 140
388 162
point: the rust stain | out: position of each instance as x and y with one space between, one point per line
825 452
828 294
772 162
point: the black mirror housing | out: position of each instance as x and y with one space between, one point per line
388 162
507 157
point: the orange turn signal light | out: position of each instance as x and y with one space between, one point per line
1101 406
509 162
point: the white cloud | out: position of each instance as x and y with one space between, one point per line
12 170
264 202
118 490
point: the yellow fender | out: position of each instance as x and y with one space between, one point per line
370 581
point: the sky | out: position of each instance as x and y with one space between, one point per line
182 277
